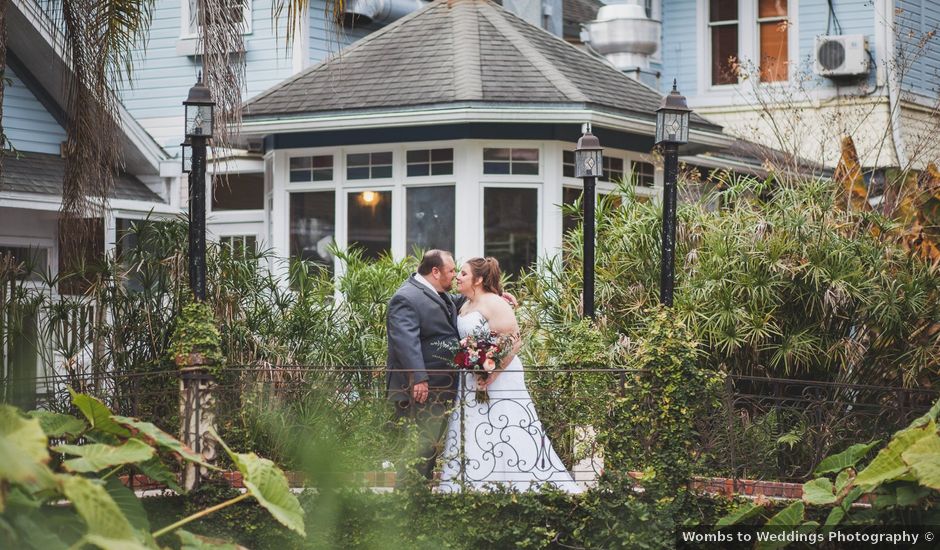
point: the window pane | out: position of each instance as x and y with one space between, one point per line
300 175
529 155
312 223
381 171
442 155
644 174
442 168
418 170
358 159
417 156
773 51
616 164
299 162
495 154
525 168
771 8
570 195
357 173
724 52
382 158
30 262
430 218
239 192
369 223
723 10
510 224
495 167
323 161
323 174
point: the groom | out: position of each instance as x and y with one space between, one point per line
422 326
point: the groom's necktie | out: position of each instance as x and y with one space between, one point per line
450 307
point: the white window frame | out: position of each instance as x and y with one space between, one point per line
748 51
190 32
540 147
539 208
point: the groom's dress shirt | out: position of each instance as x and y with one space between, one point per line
420 278
443 295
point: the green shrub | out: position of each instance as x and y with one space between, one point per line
652 425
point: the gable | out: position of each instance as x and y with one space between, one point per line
29 126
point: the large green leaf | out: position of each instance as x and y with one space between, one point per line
195 542
106 543
96 456
843 479
23 453
58 425
108 527
128 503
835 516
790 517
819 492
35 535
268 484
924 459
156 470
845 459
98 415
739 514
161 439
888 465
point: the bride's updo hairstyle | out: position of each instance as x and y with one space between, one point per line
488 270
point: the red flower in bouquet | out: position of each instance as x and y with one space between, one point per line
481 352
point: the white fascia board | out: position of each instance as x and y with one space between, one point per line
142 206
237 165
36 201
152 152
30 201
468 115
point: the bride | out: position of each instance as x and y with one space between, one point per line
500 441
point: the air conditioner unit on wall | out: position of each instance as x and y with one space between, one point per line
842 55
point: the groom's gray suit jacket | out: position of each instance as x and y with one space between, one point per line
421 332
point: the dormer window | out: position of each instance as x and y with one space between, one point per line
237 11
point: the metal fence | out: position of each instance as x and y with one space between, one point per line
766 428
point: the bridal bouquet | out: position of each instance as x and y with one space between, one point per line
481 352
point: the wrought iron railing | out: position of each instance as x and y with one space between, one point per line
767 428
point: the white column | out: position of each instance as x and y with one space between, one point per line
468 214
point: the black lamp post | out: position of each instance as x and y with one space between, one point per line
199 119
672 130
588 165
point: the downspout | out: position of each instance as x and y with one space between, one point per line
892 81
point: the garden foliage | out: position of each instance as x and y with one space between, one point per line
59 484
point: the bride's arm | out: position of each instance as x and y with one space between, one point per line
502 320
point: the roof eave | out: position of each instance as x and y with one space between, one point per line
639 123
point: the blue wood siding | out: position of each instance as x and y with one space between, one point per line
681 35
680 45
27 123
327 38
915 20
162 76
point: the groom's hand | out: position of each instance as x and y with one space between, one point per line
420 392
511 299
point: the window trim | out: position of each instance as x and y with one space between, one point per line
748 50
539 176
539 209
191 33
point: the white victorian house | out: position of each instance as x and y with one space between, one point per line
454 128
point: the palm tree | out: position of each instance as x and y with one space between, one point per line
99 38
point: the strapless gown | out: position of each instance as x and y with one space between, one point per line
500 442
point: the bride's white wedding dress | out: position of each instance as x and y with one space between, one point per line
500 442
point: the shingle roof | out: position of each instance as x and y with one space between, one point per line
456 51
43 174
